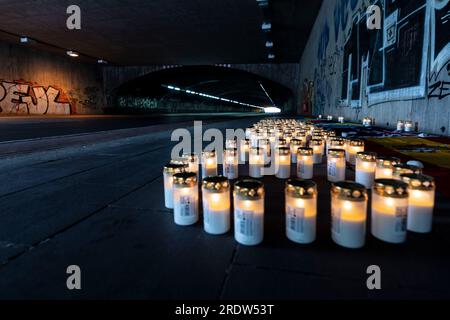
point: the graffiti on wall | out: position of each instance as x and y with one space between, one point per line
393 63
24 98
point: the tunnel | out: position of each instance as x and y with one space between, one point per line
224 159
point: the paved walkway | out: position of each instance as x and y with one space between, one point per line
101 207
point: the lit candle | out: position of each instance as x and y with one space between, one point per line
185 198
400 169
301 210
280 143
354 147
283 163
409 126
249 212
366 163
421 202
341 119
385 167
337 143
389 210
231 164
318 148
256 162
193 163
209 164
245 150
305 163
216 205
400 125
295 144
336 165
349 214
169 170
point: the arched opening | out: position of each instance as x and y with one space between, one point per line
201 89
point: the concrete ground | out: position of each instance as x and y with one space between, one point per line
100 206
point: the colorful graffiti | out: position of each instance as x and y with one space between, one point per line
23 98
394 63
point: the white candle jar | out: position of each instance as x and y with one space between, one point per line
400 125
336 165
245 150
249 212
305 163
349 214
193 162
385 167
283 163
318 148
401 169
353 148
409 126
337 143
209 164
169 171
185 198
231 144
389 210
264 144
422 191
231 164
341 119
281 143
301 210
216 205
295 145
366 163
256 162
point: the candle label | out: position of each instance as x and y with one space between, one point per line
187 206
296 219
245 222
336 220
401 219
332 169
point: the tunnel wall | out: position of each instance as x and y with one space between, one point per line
408 59
36 82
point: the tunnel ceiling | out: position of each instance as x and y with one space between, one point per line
146 32
221 82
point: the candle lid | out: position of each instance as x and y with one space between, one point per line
249 189
231 151
336 153
367 156
188 179
351 191
400 169
216 184
174 168
190 157
296 142
316 142
181 161
282 141
337 142
391 188
356 143
284 151
299 188
419 181
305 151
209 154
387 162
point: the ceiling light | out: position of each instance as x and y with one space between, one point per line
101 61
266 26
73 54
269 44
23 39
272 110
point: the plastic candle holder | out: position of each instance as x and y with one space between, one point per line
295 144
385 167
193 162
400 125
336 165
231 163
216 205
209 164
185 198
389 210
422 191
249 212
245 150
169 171
366 163
283 163
409 126
400 169
305 163
349 214
318 148
256 162
264 144
353 148
301 210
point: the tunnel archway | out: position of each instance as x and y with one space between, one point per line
200 89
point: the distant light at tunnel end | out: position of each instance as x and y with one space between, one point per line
272 110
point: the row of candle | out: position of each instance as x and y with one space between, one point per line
397 206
